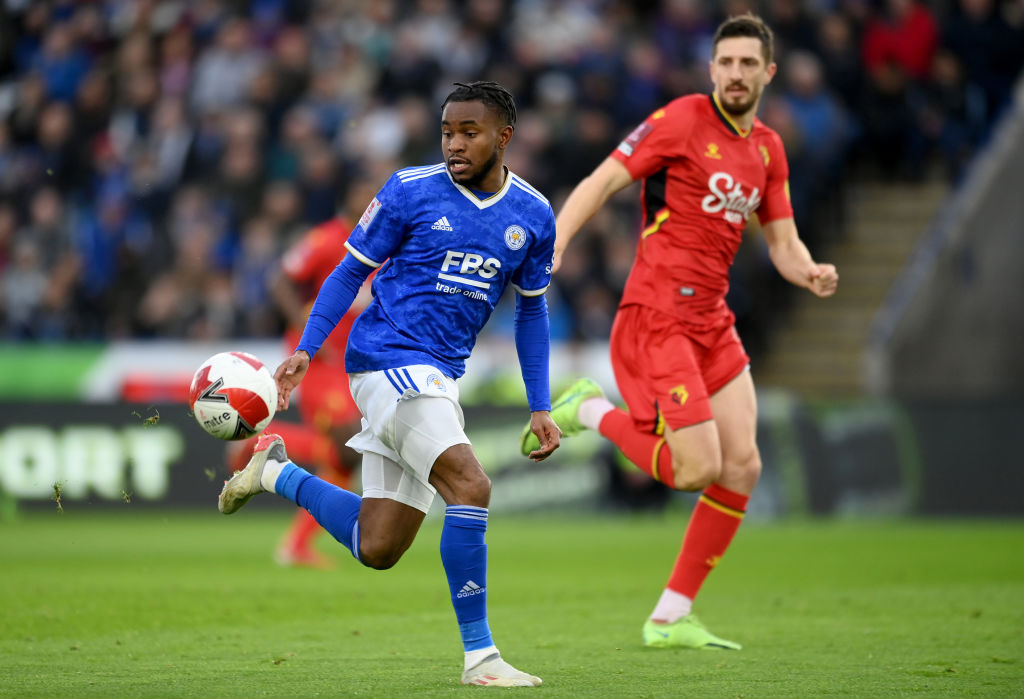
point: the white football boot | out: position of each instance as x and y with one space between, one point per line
495 672
246 483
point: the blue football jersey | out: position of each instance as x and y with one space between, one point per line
445 257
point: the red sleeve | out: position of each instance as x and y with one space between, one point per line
655 142
775 204
301 260
314 256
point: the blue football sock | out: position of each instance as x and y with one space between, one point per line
464 555
335 509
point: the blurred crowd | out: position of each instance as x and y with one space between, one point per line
157 157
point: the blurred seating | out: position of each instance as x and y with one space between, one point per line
157 157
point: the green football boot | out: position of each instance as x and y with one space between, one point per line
565 413
688 632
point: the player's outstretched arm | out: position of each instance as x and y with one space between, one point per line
533 345
547 432
288 376
794 262
585 200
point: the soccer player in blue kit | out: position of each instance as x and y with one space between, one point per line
447 239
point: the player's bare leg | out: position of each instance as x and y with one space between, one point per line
696 456
715 520
387 529
735 410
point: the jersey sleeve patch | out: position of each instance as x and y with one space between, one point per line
633 140
371 213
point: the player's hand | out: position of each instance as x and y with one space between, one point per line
824 279
288 376
547 432
556 261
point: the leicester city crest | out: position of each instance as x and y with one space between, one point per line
436 381
515 237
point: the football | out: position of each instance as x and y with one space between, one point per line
233 396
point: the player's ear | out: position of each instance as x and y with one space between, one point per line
770 72
505 135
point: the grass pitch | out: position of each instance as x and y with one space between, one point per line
190 604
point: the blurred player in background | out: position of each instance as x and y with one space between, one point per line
447 240
707 163
329 415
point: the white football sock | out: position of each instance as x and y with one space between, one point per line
271 470
592 410
475 657
671 607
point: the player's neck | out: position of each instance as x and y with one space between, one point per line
746 120
494 180
741 122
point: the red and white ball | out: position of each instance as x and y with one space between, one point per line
233 396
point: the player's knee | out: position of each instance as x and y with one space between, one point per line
695 474
752 464
378 557
743 470
474 490
381 552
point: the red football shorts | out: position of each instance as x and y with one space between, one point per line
667 373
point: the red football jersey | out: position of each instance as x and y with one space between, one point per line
308 263
702 179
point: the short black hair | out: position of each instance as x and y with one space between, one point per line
493 95
747 25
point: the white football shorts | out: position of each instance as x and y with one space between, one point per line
411 415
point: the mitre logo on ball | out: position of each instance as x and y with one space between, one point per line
233 396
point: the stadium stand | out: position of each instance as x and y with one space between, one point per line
157 156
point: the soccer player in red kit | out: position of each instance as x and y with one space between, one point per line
329 415
707 164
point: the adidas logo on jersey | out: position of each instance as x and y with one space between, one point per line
470 589
442 224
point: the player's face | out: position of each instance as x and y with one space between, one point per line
473 142
739 73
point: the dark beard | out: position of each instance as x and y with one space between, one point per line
473 181
741 108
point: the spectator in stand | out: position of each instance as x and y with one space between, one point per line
93 107
282 207
176 50
224 71
839 51
49 226
257 257
904 34
989 49
815 175
55 156
886 117
952 113
23 291
795 27
30 99
61 62
238 180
